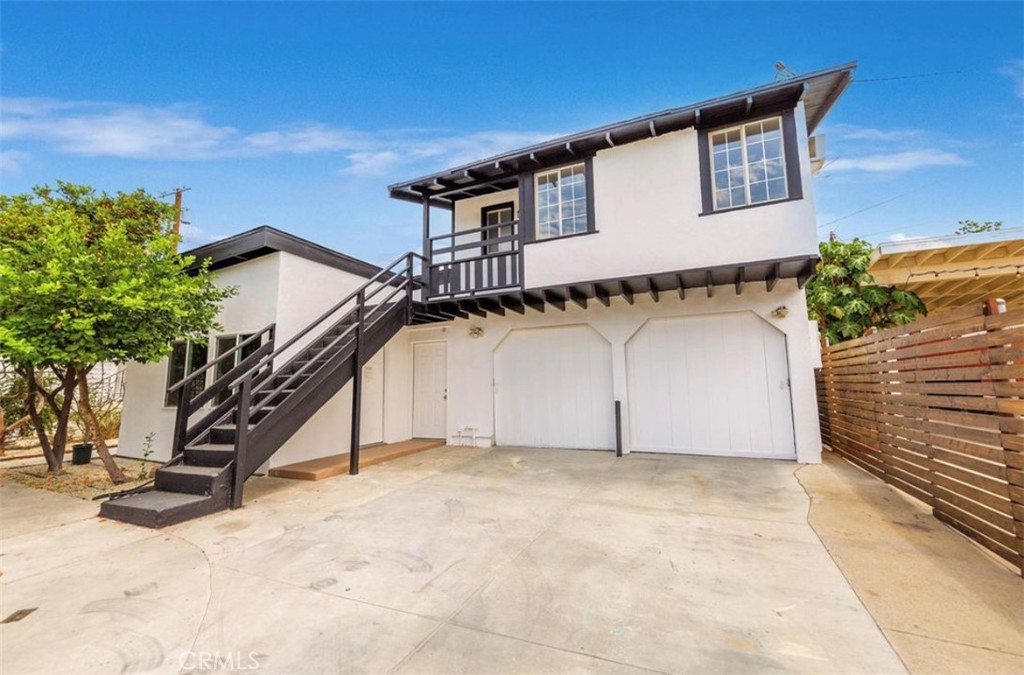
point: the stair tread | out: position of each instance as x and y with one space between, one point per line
212 447
158 500
180 492
193 469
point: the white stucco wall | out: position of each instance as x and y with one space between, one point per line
252 309
470 369
467 211
647 207
279 288
306 289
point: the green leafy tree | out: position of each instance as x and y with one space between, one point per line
973 226
844 299
88 277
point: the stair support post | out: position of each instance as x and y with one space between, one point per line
427 248
357 385
408 287
241 440
181 420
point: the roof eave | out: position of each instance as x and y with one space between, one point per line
664 121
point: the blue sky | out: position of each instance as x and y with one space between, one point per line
300 115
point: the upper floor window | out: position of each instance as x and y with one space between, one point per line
561 201
748 164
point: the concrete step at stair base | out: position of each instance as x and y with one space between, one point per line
159 508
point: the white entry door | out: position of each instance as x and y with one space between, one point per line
430 394
710 385
371 409
553 389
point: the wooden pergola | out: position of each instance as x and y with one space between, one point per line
955 271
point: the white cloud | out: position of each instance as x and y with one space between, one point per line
193 235
899 236
180 132
852 132
897 162
11 162
1015 71
371 163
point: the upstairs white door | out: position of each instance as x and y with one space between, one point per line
371 409
430 394
716 384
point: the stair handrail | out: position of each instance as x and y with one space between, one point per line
361 298
183 404
385 271
244 382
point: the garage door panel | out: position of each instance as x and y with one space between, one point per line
553 388
713 384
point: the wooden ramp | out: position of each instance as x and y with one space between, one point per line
335 465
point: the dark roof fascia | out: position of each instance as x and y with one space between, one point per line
455 183
265 240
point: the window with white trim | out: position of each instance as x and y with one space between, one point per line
561 201
748 165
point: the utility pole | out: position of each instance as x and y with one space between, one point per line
177 206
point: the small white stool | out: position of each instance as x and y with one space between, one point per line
469 433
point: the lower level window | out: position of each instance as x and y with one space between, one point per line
561 201
226 343
186 358
748 164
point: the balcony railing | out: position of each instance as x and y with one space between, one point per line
473 262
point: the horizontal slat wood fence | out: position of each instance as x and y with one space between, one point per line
936 408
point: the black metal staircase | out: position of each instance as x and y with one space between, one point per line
224 432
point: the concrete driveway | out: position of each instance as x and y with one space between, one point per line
455 560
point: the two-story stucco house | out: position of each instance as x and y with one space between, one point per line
636 287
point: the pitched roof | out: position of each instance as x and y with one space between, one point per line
819 91
264 240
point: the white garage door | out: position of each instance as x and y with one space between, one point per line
553 389
710 385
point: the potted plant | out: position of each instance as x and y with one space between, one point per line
81 453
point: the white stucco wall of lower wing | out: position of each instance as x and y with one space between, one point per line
647 204
470 368
253 308
306 290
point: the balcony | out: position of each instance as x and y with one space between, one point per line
470 263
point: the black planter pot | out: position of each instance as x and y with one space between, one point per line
81 453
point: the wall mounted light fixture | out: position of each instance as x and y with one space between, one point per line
780 312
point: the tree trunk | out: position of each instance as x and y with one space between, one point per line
93 425
69 378
32 396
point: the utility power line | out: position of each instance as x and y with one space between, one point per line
875 205
920 75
